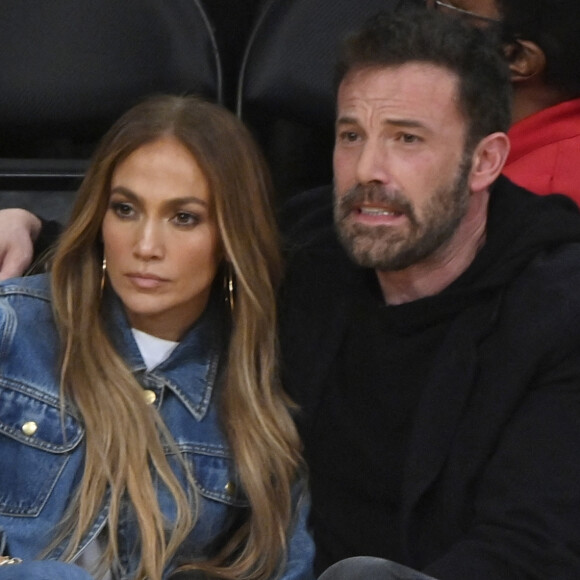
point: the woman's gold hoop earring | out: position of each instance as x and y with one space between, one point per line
103 274
229 287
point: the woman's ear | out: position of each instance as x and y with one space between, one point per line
526 60
488 160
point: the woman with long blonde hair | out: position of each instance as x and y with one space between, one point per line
146 416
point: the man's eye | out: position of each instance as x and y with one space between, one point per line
409 138
348 136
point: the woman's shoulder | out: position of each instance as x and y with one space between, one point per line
37 286
25 305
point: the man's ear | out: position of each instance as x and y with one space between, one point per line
526 60
488 160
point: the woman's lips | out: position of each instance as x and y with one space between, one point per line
146 281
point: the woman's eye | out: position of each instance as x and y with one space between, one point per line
183 218
122 209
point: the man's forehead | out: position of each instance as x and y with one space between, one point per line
412 81
411 68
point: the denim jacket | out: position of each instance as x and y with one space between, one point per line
41 450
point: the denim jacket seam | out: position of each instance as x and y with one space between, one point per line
40 393
8 290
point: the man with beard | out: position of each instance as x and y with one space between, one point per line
432 337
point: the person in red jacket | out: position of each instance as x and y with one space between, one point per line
542 43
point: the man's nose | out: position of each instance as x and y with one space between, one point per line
373 164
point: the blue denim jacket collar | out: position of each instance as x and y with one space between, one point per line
197 356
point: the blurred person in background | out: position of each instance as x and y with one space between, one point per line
541 42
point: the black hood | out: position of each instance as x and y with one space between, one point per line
520 226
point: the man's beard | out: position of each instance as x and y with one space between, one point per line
394 248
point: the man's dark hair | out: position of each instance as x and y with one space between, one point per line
418 35
554 25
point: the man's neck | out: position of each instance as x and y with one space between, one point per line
434 274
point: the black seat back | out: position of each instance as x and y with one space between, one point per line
70 68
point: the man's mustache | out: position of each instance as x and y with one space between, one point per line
375 193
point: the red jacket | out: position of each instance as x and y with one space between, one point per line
545 154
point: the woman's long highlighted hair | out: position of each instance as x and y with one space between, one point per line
124 436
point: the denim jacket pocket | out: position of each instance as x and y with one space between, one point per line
37 440
215 476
